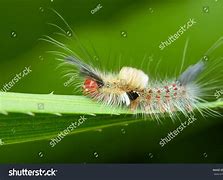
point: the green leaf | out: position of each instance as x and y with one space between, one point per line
31 117
53 104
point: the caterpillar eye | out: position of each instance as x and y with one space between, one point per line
132 95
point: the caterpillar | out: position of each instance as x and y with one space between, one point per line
131 88
134 89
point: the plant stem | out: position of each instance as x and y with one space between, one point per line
63 104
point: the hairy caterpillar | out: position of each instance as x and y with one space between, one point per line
132 88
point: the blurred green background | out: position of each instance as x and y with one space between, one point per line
122 32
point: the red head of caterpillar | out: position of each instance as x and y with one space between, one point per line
90 86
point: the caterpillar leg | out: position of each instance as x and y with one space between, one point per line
134 105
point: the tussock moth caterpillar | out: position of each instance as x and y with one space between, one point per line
131 88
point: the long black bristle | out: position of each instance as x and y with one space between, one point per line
85 69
